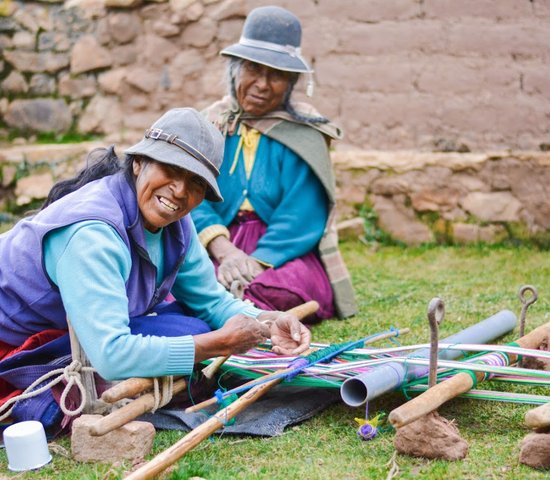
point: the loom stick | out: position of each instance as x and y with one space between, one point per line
130 411
390 376
460 383
128 388
301 311
538 417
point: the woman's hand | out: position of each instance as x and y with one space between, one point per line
239 334
234 264
288 335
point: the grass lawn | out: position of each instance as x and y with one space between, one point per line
394 286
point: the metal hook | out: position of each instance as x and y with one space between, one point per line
526 302
436 313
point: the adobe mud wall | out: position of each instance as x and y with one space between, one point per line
442 75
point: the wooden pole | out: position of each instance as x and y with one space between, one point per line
128 388
301 311
462 382
130 411
538 417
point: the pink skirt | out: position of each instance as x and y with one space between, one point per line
296 282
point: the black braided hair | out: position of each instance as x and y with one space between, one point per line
100 163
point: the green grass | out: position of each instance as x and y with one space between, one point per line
394 285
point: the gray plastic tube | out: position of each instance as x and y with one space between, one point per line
389 376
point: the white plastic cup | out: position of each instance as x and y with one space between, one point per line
26 446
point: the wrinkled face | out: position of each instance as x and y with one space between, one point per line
165 193
260 89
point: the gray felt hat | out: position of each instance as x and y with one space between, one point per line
184 138
271 36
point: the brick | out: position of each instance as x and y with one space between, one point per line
484 38
445 75
393 37
388 74
535 80
371 11
501 9
132 441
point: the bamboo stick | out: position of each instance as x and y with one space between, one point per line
538 417
462 382
130 412
301 311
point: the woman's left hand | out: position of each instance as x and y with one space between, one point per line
288 335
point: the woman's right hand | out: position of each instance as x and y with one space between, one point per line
234 264
239 334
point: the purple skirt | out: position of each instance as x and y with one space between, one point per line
296 282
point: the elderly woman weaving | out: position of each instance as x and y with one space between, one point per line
273 233
105 251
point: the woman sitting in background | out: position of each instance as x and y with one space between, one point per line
274 232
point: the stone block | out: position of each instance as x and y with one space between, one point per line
535 450
492 206
33 187
400 221
132 442
351 228
88 55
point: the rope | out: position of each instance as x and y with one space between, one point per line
163 394
70 373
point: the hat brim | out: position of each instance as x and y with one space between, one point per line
277 60
173 155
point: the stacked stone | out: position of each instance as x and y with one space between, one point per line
110 66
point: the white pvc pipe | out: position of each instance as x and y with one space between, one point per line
385 378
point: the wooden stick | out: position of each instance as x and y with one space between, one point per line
127 389
213 400
131 411
301 311
462 382
538 417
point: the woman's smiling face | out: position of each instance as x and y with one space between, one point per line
260 89
165 193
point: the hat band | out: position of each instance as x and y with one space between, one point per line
159 134
274 47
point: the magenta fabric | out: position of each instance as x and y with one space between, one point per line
292 284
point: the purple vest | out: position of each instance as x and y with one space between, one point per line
30 302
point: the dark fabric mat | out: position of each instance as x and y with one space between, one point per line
280 407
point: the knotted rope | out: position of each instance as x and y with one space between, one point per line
70 373
162 394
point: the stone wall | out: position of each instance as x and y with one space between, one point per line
447 75
412 197
448 197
